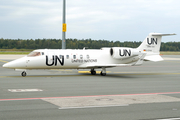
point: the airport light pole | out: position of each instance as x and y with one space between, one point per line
64 26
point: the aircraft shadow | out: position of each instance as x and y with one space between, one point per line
108 75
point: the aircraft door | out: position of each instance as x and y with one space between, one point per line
77 58
27 61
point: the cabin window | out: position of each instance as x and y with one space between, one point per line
74 56
81 56
67 56
87 56
33 54
60 56
42 53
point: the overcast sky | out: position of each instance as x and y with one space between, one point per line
113 20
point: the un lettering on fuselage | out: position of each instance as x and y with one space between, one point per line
152 41
55 60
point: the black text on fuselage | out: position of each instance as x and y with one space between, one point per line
124 52
54 60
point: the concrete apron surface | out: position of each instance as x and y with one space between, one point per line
105 101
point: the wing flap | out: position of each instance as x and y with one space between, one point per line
108 65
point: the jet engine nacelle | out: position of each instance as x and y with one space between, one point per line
122 52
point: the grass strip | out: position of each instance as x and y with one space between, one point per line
27 51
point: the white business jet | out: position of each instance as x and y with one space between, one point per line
90 59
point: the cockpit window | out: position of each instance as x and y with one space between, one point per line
33 54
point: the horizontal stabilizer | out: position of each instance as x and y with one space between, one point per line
154 58
160 34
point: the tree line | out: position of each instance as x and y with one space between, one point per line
76 44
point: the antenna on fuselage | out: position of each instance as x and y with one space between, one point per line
64 26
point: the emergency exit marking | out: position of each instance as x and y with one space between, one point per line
24 90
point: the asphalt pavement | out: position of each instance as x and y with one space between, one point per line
147 92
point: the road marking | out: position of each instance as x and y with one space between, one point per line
172 59
3 61
24 90
128 73
143 73
90 72
163 93
61 70
169 119
46 76
65 108
3 76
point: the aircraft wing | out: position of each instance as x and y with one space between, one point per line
139 62
107 65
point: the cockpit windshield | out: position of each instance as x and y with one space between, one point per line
33 54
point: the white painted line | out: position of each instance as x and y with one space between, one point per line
10 57
171 58
64 108
169 119
24 90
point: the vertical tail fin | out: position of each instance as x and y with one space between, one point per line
151 46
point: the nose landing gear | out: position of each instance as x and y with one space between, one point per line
23 74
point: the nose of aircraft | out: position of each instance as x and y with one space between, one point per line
19 63
5 65
11 64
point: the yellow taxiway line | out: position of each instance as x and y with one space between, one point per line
90 72
3 61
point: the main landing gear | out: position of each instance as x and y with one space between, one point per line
23 74
93 72
103 72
